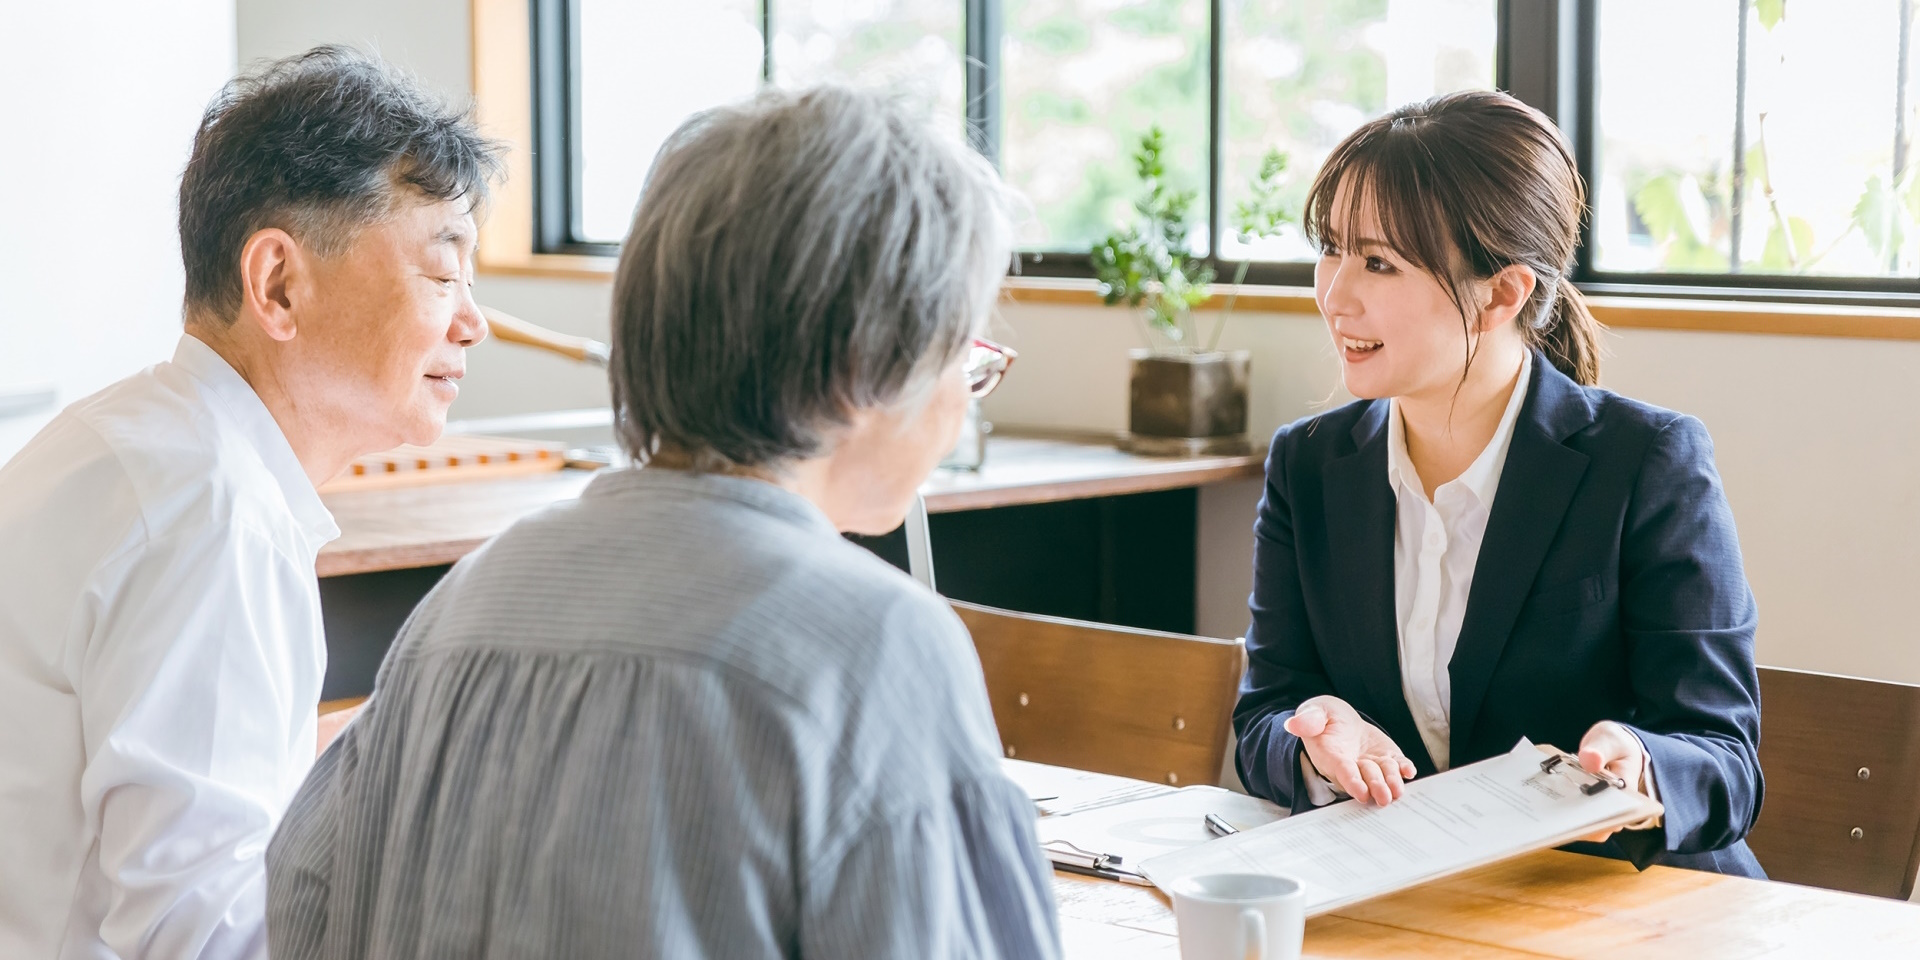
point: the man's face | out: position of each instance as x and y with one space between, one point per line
384 327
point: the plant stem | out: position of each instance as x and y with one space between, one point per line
1773 202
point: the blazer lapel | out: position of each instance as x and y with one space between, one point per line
1536 486
1360 513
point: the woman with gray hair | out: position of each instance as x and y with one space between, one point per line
682 717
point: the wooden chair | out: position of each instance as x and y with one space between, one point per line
1841 756
1136 703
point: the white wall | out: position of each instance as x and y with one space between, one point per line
100 100
1818 440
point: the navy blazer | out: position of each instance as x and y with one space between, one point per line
1609 587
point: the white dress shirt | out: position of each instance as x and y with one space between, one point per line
1436 545
160 660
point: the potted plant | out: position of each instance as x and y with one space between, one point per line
1185 399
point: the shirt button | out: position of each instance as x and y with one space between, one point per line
1433 539
1422 623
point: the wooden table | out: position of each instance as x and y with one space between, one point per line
1546 904
397 529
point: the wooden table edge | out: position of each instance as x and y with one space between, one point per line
341 563
1177 477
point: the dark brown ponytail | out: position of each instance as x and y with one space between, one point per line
1465 185
1571 336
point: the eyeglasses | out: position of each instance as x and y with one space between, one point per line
987 363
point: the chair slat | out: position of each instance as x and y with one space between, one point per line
1135 703
1818 732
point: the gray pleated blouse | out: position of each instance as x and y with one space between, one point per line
678 718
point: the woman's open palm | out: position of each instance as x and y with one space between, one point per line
1349 751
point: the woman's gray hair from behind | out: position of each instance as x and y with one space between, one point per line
794 258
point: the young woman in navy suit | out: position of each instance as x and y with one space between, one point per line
1488 546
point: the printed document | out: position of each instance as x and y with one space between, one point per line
1467 817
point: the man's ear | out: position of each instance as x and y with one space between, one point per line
1504 295
270 265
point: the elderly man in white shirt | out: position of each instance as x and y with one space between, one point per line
161 650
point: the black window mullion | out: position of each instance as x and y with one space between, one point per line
553 84
1216 114
983 77
766 41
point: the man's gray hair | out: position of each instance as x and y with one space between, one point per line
320 145
795 258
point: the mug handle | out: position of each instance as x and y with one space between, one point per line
1253 934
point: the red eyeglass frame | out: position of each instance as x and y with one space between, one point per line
983 377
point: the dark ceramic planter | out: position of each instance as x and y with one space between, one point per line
1184 404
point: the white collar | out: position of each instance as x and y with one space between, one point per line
1482 477
239 402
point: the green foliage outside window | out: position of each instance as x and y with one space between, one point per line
1689 216
1150 263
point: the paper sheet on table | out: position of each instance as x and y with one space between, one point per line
1148 828
1467 817
1058 791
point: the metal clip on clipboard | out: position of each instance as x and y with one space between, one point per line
1569 765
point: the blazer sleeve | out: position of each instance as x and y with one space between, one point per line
1688 620
1283 663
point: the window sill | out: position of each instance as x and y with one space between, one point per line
1626 313
1635 313
553 266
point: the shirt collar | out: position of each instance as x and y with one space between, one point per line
1482 477
242 405
761 495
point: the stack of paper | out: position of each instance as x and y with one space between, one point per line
1058 791
1131 833
1106 825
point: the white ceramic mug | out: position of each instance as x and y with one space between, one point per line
1240 916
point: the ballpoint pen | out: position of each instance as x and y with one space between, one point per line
1219 827
1124 876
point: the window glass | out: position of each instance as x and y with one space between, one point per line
1298 75
1817 181
911 46
642 73
1081 82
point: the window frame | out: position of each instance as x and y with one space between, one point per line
1545 51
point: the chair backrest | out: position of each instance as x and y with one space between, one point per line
1135 703
1841 756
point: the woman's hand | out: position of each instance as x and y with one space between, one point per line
1612 749
1350 751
